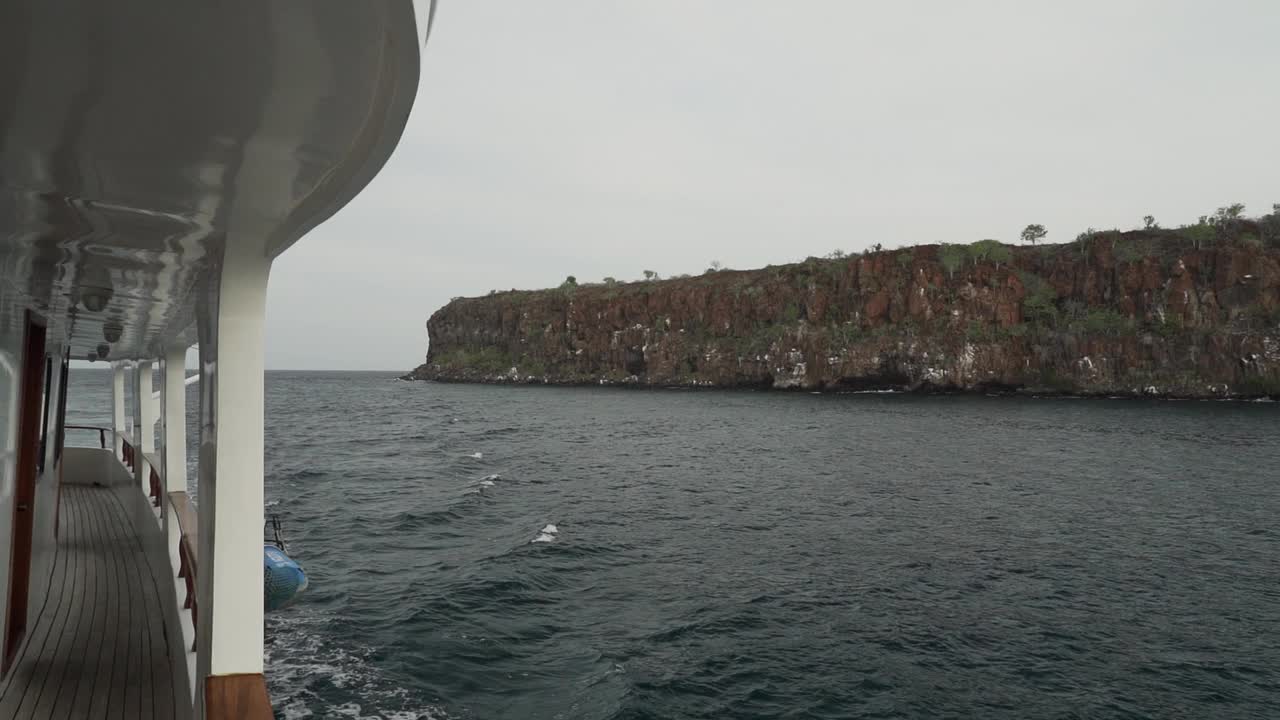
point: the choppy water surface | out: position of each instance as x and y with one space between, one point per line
489 552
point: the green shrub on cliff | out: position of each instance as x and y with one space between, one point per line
1269 227
979 331
1168 326
1201 235
845 335
489 360
992 250
1039 305
1129 251
951 257
1106 321
905 258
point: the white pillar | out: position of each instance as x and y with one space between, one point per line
144 425
173 396
117 405
229 639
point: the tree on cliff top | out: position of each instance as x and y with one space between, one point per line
988 249
952 257
1033 234
650 275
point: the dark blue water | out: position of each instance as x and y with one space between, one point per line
754 555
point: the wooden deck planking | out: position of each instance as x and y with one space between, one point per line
98 648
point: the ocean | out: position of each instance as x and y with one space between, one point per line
533 552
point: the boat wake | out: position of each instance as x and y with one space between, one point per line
306 669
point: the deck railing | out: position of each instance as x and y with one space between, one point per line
102 432
185 514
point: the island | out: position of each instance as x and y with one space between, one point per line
1188 312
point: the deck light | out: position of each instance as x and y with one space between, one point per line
95 288
103 351
112 330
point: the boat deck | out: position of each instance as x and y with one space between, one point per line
98 647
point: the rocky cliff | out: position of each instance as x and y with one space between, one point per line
1192 312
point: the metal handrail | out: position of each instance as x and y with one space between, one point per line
102 432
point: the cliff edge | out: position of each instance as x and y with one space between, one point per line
1193 312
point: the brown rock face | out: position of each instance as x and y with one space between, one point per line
1150 312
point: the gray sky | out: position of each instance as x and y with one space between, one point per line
600 138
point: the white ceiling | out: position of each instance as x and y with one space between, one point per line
138 138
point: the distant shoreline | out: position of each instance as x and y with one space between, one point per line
1191 313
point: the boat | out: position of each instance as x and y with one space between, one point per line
155 158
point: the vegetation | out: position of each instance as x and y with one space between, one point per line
1201 235
1129 251
979 331
951 257
1033 234
992 250
905 258
650 275
1149 223
1105 322
845 335
488 360
1039 305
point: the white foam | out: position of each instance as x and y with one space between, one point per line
354 711
547 534
300 653
486 483
491 478
476 455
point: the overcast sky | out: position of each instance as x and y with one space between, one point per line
600 138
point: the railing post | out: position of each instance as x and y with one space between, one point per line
144 429
173 413
117 408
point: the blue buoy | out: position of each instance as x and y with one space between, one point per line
284 579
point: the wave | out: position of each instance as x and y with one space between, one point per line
547 534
